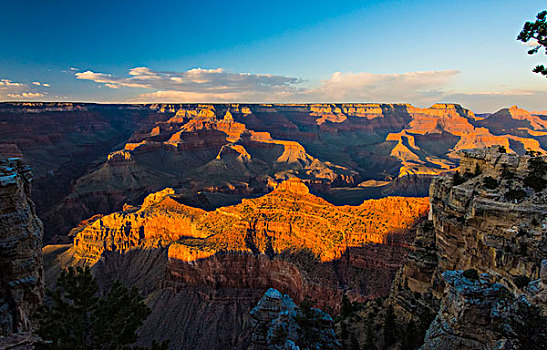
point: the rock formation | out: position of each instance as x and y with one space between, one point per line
279 324
21 277
478 314
220 262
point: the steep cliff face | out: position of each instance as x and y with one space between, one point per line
21 278
476 313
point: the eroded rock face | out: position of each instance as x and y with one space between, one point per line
476 225
279 324
288 239
21 278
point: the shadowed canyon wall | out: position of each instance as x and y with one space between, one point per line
475 277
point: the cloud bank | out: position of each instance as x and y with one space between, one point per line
217 85
422 88
10 90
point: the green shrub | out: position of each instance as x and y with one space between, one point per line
521 281
537 183
77 318
513 194
458 179
471 274
490 183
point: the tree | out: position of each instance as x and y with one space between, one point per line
389 328
77 318
536 32
347 306
369 338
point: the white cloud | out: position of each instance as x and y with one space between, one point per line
13 90
26 95
5 83
198 80
217 85
414 87
37 83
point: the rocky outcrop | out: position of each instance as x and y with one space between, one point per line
478 314
21 278
279 324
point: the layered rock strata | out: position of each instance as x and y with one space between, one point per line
478 314
21 278
92 159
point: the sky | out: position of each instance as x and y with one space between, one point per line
419 52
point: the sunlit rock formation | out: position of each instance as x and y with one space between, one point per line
226 258
21 277
117 154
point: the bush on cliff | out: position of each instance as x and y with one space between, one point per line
490 183
537 169
515 194
77 318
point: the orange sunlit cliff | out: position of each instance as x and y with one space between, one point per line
289 218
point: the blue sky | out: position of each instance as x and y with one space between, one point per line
419 52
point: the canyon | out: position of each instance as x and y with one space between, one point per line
92 159
435 215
